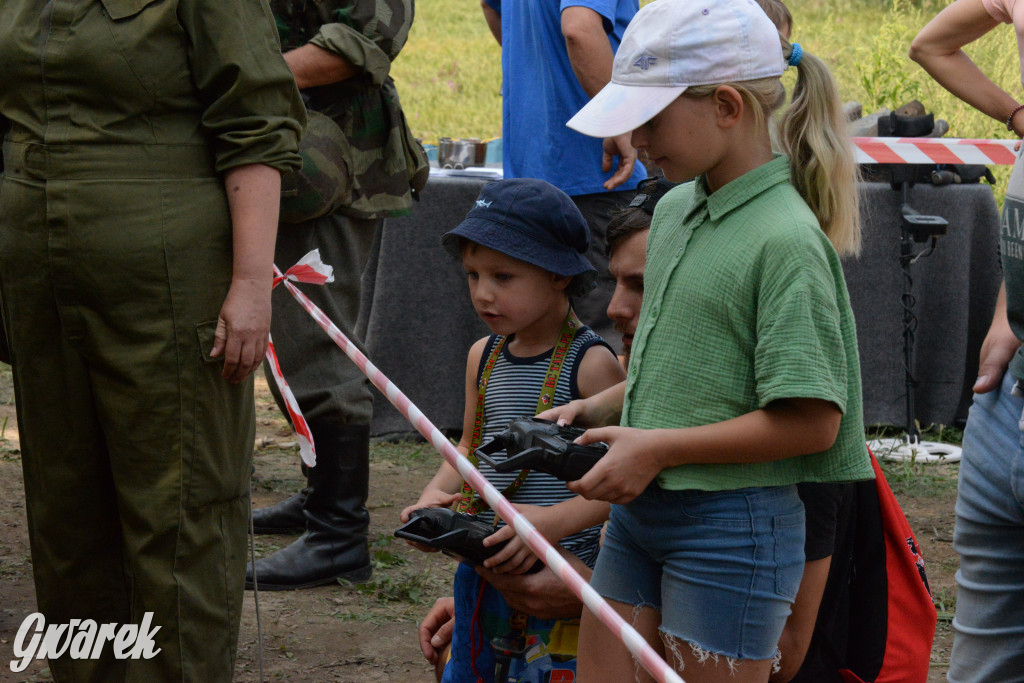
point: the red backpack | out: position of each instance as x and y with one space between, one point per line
892 617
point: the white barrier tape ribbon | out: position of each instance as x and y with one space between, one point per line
310 268
313 270
640 649
307 449
934 151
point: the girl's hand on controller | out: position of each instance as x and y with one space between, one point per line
630 464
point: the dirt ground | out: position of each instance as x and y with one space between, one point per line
368 633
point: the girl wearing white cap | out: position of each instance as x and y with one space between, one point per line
744 377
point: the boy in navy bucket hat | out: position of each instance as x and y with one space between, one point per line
522 246
533 221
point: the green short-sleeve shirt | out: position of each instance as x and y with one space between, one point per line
744 304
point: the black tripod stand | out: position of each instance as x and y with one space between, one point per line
915 229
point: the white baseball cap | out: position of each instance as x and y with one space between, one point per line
673 44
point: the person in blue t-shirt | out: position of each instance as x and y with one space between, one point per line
555 57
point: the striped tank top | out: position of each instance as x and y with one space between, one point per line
512 392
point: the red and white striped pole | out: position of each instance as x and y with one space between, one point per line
633 641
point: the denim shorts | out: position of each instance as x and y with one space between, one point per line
723 567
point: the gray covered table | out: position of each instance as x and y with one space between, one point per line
955 290
421 322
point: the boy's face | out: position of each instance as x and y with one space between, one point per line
508 294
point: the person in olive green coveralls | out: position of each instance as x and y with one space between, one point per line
340 52
137 214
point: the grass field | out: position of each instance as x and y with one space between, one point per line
449 74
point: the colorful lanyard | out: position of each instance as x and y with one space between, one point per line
470 503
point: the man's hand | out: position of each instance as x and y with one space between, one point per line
435 630
590 54
620 147
997 350
996 353
542 595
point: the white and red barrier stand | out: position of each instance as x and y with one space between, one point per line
633 641
934 151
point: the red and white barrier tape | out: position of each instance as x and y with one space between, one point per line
313 270
934 151
633 641
307 449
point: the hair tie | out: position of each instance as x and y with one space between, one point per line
796 55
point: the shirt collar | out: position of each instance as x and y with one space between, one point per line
741 190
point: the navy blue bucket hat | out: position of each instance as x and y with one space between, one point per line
530 220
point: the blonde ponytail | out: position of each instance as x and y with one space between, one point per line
813 132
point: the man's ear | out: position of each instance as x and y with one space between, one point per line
729 105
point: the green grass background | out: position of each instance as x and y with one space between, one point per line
449 74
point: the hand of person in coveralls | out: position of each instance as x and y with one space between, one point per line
244 322
242 328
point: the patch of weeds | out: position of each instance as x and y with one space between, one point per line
408 585
944 600
915 478
408 452
943 434
382 556
881 69
919 479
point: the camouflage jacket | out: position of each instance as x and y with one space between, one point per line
384 159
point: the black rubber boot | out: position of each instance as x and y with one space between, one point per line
283 518
334 544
